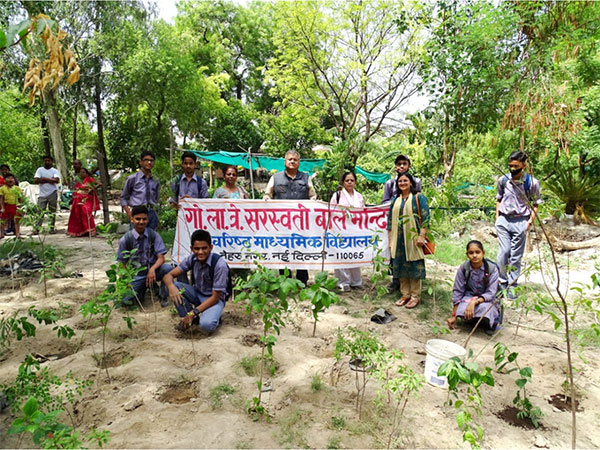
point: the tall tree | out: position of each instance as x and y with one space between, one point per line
470 69
354 64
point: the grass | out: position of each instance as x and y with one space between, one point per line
443 300
218 393
316 383
338 422
19 246
251 365
334 442
587 337
293 428
453 252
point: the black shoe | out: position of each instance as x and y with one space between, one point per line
394 286
164 302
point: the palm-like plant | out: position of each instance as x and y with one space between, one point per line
580 193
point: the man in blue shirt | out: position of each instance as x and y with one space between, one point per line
204 299
149 255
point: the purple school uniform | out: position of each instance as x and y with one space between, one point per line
463 291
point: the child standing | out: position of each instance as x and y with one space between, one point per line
517 204
475 288
10 197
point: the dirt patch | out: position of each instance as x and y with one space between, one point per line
250 340
87 324
563 402
113 359
510 415
237 318
177 393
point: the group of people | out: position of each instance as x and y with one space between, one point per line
478 281
202 299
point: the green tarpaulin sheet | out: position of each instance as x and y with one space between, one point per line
373 176
270 163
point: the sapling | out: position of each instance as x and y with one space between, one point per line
504 358
18 327
397 383
362 349
48 432
267 293
321 295
467 405
120 277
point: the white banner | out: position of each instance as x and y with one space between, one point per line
284 233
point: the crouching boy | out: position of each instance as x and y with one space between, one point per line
210 288
149 255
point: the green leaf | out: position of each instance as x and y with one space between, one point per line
521 382
16 29
30 407
2 39
525 372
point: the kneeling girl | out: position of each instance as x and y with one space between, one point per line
475 288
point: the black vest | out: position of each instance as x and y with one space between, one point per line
284 188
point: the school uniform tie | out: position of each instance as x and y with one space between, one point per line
147 191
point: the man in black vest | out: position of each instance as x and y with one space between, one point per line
291 184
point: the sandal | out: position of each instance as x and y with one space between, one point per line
414 301
403 300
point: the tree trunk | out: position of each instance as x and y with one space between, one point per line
101 150
75 132
44 125
58 148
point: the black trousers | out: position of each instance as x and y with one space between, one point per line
301 275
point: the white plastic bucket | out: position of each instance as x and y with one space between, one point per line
438 352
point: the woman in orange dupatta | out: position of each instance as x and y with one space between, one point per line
85 203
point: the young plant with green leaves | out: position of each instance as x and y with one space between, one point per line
397 384
120 277
468 402
321 295
504 358
362 348
52 262
18 327
47 432
267 293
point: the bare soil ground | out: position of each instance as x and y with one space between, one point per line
161 392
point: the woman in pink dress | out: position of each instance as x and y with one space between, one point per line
348 196
85 203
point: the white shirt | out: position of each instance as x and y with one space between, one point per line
47 189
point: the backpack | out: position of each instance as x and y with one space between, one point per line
211 271
466 270
527 182
130 244
199 181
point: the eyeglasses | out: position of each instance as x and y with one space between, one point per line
148 160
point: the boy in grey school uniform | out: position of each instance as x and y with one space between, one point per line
149 255
202 301
517 205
